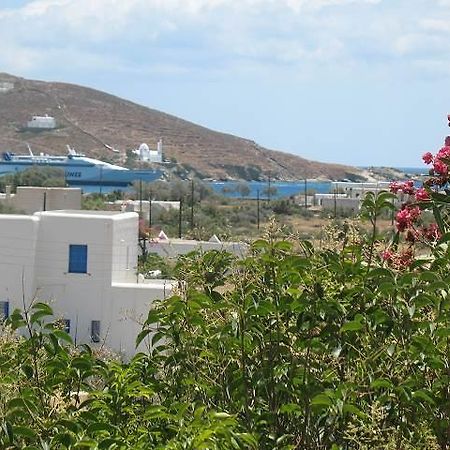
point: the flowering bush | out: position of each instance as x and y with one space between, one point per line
409 220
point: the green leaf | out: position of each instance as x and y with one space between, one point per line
67 439
110 443
321 400
380 272
260 244
386 288
89 443
141 336
443 332
99 426
283 245
422 395
352 409
60 334
436 285
289 408
352 326
381 383
438 217
43 307
27 370
25 432
37 316
81 363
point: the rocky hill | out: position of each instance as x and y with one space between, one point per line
95 123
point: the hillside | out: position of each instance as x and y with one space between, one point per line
94 122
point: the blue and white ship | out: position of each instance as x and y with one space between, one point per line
78 169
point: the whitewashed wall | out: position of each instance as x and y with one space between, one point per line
109 292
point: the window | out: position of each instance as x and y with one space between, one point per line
4 310
78 258
66 324
95 331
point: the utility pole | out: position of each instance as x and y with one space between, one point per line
180 217
335 203
192 204
150 212
306 194
257 207
268 189
140 198
101 179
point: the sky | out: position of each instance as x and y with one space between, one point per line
359 82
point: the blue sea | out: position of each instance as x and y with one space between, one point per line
279 189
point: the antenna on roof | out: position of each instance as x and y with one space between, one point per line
71 150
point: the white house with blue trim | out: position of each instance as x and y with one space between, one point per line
83 263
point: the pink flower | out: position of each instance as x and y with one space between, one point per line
439 167
402 220
398 260
394 187
406 217
422 195
406 187
427 158
431 233
414 213
405 259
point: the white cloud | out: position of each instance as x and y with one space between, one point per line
190 35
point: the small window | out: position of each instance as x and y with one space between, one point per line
95 331
67 325
78 258
4 310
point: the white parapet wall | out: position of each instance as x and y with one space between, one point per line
172 248
84 264
30 199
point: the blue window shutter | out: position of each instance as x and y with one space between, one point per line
4 310
95 330
67 326
78 258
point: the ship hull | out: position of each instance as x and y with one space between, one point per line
78 171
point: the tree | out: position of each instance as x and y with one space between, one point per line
243 189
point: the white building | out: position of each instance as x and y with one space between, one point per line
29 199
143 206
338 202
42 122
84 264
359 190
347 196
6 86
172 248
147 155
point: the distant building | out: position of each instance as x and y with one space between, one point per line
145 154
358 190
347 196
42 122
172 248
144 206
6 86
84 264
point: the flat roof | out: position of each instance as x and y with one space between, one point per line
87 213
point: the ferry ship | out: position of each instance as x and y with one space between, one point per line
78 169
